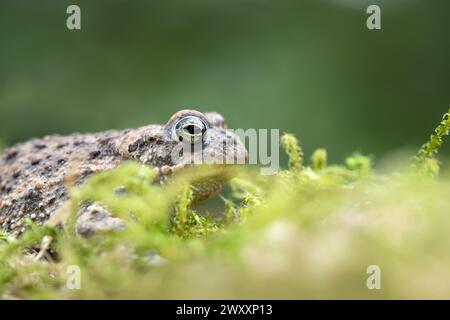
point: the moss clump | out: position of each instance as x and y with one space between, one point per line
306 232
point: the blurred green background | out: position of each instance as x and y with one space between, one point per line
307 67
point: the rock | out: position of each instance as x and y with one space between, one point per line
95 219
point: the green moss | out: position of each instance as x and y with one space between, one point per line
360 164
306 232
290 144
319 159
424 160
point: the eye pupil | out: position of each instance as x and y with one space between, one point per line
190 130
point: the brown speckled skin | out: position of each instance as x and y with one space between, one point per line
33 174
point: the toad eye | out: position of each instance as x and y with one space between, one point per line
190 129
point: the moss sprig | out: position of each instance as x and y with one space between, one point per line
319 159
431 147
293 149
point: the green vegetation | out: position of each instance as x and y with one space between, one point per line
308 232
425 159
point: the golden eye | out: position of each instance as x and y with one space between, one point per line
190 129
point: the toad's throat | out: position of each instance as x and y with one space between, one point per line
206 180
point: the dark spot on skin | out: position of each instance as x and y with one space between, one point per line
32 194
140 143
133 147
43 173
35 161
104 141
39 146
143 143
51 200
10 154
94 154
87 171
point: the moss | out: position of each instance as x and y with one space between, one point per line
319 160
306 232
425 158
290 144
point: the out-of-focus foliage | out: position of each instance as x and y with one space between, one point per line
309 233
308 67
